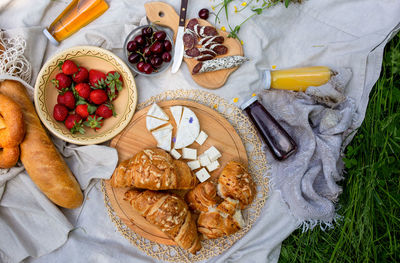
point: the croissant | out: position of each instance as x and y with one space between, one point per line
202 197
169 213
224 220
237 183
153 169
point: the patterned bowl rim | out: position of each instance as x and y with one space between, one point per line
43 79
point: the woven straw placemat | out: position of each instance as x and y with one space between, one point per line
258 167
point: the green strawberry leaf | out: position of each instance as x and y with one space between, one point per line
91 109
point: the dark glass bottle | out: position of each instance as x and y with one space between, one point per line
277 139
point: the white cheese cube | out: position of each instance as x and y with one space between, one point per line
193 165
202 175
175 154
213 166
204 160
201 138
189 153
213 153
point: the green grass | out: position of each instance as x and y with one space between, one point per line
370 203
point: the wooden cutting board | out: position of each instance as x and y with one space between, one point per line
165 15
136 137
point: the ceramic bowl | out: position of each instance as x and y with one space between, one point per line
137 31
90 57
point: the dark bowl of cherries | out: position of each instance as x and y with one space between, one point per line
148 50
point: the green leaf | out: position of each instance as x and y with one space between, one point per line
287 3
257 10
91 109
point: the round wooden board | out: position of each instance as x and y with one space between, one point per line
165 15
136 137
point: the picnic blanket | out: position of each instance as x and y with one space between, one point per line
343 33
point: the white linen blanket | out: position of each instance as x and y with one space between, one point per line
342 33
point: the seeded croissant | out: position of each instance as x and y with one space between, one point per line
153 169
169 213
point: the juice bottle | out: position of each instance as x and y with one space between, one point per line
78 14
277 139
297 79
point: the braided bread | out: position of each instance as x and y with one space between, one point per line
12 131
169 213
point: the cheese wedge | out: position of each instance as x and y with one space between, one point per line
153 123
188 129
156 112
176 113
163 137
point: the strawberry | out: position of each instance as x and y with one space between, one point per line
60 112
94 122
69 67
105 111
67 99
114 83
74 123
81 76
82 110
97 79
112 96
83 90
98 96
62 81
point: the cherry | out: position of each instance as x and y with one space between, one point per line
132 46
147 31
140 40
140 66
160 35
147 68
166 56
134 58
147 52
204 13
156 61
157 47
167 45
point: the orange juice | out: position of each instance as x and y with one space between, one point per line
78 14
297 79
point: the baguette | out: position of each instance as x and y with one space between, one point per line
41 159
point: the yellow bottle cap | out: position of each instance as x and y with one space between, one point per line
50 37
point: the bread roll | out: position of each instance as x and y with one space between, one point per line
41 159
169 213
237 183
202 197
226 219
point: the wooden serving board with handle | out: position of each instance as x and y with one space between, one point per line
165 15
136 137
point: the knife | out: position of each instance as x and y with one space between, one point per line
178 54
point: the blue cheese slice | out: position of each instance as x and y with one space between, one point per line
153 123
163 137
156 112
176 113
188 129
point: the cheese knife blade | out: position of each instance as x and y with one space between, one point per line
179 48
